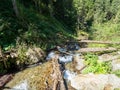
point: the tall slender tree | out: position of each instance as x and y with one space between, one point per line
15 8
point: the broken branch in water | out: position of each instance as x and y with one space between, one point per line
57 75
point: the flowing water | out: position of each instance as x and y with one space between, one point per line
40 77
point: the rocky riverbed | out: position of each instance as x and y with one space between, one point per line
40 76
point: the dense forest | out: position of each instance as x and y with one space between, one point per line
40 22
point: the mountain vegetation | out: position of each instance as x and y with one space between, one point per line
42 22
46 23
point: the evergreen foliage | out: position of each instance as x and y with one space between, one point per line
43 20
46 23
100 18
34 25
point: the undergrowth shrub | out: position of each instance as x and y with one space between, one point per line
106 31
28 54
21 51
96 66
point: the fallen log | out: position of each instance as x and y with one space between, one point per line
5 79
86 50
57 76
97 42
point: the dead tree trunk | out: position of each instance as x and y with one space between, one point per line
57 76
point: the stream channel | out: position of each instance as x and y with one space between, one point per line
39 77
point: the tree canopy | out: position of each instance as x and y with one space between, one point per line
41 21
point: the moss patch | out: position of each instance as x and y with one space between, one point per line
38 78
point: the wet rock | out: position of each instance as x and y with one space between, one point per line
35 55
22 86
95 82
68 75
50 55
65 58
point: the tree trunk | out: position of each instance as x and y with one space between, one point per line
0 51
50 6
78 22
15 8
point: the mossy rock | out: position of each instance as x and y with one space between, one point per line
38 78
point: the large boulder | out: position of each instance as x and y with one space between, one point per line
95 82
35 78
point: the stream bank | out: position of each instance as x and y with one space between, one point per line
70 67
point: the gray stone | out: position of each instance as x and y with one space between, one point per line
115 65
79 61
95 82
